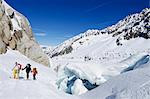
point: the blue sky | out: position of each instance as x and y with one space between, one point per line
54 21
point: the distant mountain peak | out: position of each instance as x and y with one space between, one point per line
133 26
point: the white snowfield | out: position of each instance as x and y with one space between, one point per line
43 88
129 85
97 73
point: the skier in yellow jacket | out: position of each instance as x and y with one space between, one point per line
16 70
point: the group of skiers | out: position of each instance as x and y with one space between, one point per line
18 67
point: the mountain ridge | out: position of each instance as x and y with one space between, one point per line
133 26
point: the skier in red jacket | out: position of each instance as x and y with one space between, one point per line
34 72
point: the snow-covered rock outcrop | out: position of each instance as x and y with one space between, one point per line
16 33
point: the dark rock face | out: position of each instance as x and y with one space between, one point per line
66 50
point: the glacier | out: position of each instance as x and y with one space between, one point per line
93 78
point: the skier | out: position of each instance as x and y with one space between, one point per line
34 71
15 73
28 70
16 70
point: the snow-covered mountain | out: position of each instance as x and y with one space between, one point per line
94 57
46 49
16 33
92 41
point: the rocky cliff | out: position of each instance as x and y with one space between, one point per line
16 34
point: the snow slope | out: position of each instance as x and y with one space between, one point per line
130 85
43 88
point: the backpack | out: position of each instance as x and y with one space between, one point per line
34 71
19 66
